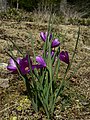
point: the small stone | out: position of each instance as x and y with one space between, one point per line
3 66
4 83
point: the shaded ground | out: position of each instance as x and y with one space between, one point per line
14 103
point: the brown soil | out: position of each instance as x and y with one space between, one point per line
14 104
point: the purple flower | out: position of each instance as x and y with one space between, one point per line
24 65
41 61
52 53
55 43
64 57
12 66
44 36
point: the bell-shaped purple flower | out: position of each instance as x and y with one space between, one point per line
41 61
12 66
44 35
24 65
64 57
55 43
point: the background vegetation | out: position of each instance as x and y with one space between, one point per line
75 12
80 8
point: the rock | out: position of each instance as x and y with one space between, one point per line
86 47
3 66
4 83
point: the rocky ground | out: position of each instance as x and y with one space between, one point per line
14 104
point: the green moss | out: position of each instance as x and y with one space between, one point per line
13 118
19 108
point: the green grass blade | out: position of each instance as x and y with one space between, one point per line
16 47
76 69
69 65
75 47
32 43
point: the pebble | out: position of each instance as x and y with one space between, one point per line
3 66
4 83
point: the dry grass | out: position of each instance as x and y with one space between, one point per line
75 103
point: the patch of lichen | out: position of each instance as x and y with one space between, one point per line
24 103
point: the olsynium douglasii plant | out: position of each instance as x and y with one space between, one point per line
42 87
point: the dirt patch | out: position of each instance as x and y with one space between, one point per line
14 103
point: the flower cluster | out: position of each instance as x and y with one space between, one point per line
41 85
24 64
